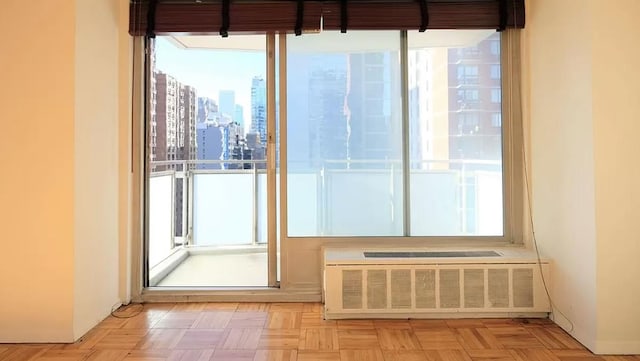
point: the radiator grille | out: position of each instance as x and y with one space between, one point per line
401 288
376 289
498 284
440 288
426 288
351 289
522 287
449 288
473 288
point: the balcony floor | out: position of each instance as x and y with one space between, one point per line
219 270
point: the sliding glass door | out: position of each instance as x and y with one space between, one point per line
208 166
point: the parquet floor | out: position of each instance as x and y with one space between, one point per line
296 331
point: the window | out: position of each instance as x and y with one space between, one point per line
496 120
344 158
495 71
456 162
357 164
468 96
496 96
468 74
494 47
346 168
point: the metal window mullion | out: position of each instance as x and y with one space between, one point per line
272 256
146 131
256 204
190 207
282 85
406 161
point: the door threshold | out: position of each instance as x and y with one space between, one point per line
228 294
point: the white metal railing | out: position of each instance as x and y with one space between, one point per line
197 206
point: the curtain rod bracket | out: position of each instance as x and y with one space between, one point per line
343 16
424 15
224 29
299 18
504 14
151 19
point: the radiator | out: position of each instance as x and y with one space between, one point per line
366 283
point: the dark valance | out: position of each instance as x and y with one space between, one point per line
246 16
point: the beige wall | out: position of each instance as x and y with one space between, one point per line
37 183
96 162
616 114
584 112
562 155
59 268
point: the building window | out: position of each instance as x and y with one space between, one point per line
495 47
496 95
468 96
468 74
496 120
495 71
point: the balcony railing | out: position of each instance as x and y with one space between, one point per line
198 204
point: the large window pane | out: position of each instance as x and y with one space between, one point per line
344 135
455 134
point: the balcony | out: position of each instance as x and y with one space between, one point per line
207 226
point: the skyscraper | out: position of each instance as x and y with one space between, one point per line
375 124
428 108
174 132
166 110
186 137
328 115
259 108
209 144
227 100
475 106
207 109
238 115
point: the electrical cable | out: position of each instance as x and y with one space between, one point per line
534 241
118 309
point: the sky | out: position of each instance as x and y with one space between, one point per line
210 71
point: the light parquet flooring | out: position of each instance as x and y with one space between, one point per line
297 332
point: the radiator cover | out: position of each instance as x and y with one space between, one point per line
508 285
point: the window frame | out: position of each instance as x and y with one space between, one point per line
512 142
512 181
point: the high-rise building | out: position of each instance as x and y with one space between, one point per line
174 133
258 150
186 135
174 129
207 109
318 128
475 109
238 115
428 108
209 144
328 114
227 102
165 130
259 108
232 138
375 122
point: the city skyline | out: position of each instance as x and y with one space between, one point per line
209 71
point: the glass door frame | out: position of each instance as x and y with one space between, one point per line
271 172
